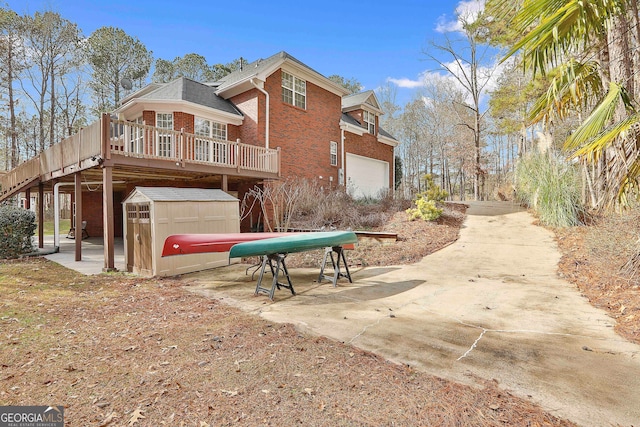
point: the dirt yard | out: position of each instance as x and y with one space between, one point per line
122 351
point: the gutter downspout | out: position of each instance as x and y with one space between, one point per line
344 172
266 125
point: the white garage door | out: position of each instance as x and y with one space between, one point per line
366 177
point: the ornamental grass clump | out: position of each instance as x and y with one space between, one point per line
551 187
17 226
427 203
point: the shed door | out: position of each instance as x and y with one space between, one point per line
132 218
366 177
139 250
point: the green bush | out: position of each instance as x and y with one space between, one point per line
433 192
427 202
17 227
425 209
551 187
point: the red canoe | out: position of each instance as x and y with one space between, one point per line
183 244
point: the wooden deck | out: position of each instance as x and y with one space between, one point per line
140 151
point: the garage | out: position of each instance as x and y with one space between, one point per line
366 177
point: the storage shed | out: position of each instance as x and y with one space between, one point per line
153 213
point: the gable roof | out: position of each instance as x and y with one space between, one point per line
252 69
241 80
362 100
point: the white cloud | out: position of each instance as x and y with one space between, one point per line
406 83
445 25
488 76
466 11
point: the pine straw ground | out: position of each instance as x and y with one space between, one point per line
116 350
594 258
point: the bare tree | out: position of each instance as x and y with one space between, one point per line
466 67
414 148
277 202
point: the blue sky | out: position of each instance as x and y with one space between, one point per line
373 41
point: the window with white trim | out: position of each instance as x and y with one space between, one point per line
370 121
202 127
219 131
294 90
333 153
208 150
164 121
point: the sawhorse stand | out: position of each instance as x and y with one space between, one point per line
335 262
275 272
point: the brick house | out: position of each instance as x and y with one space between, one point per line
275 118
281 102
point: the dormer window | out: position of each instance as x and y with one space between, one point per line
369 121
294 90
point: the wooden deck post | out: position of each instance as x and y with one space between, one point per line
104 136
225 183
77 220
41 215
108 220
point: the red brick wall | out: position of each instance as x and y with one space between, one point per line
233 132
149 117
304 134
183 121
356 114
92 212
252 105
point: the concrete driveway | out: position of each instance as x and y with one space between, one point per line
491 305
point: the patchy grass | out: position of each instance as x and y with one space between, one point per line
65 225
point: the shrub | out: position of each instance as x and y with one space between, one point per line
433 192
425 209
427 202
17 226
551 187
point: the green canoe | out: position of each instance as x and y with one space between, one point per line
294 243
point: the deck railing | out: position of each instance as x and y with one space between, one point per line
24 172
72 150
138 140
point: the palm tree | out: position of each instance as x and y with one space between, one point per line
586 47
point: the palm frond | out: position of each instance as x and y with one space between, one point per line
602 141
589 136
559 26
572 87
